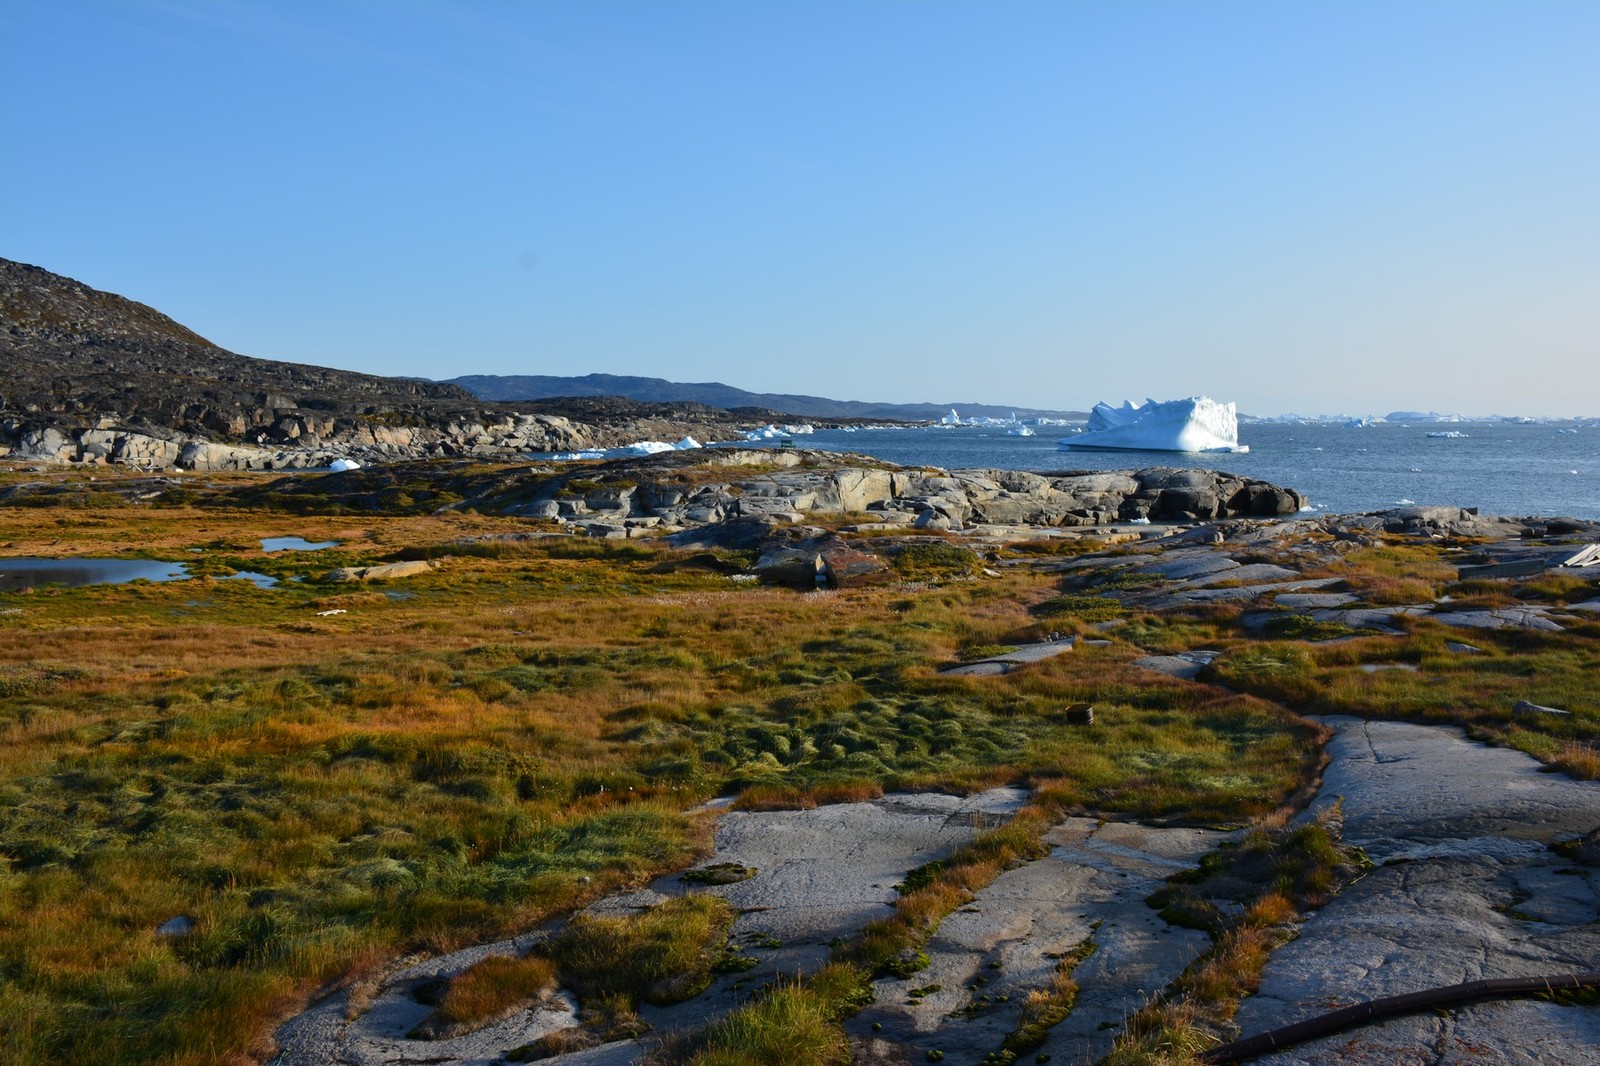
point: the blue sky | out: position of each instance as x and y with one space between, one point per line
1314 207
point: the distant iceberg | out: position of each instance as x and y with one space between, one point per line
771 432
627 451
1197 424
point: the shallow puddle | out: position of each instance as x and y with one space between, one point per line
27 572
30 572
295 544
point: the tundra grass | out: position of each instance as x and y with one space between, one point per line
466 753
1477 688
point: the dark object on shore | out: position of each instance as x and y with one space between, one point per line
1080 714
1391 1006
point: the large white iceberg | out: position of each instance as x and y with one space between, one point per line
1197 424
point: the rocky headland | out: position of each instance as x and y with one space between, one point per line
93 377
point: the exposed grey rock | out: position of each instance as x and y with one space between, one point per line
1186 665
1012 660
1293 600
1536 618
1188 565
1467 888
1092 886
1250 572
1524 707
383 572
821 874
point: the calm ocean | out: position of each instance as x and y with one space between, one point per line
1497 467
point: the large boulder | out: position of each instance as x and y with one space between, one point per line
794 565
381 572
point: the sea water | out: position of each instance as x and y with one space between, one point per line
1498 467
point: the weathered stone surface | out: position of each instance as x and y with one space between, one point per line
382 572
1295 600
1536 618
996 665
739 534
797 566
846 567
820 874
1524 707
1466 888
1186 665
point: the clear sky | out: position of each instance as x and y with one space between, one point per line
1306 206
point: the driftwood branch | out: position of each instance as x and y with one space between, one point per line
1390 1006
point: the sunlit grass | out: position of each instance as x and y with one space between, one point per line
467 753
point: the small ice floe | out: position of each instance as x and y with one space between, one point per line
1138 521
1402 502
1451 433
339 466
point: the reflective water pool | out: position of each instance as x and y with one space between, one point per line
295 544
26 572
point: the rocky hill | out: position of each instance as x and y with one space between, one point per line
93 376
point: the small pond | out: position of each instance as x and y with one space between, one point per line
26 572
295 544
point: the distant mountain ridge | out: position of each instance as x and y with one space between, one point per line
519 387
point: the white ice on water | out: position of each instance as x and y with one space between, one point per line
1196 424
339 466
771 432
628 451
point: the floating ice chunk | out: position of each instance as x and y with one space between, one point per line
770 432
339 466
626 451
1196 424
1454 433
